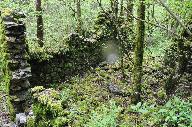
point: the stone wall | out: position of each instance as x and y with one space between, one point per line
15 71
24 70
19 68
82 55
54 70
18 65
6 108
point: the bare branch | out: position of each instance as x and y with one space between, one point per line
175 17
156 25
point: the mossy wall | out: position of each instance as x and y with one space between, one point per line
14 69
20 70
82 54
6 108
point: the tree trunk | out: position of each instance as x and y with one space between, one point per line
40 33
122 8
129 11
79 22
138 53
114 7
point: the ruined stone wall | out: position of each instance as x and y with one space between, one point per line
57 70
24 70
54 70
18 65
15 71
6 108
82 55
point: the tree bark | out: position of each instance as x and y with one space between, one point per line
122 8
114 7
138 53
129 11
40 34
79 22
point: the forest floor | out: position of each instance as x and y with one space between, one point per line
101 97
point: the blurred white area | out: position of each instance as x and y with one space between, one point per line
110 51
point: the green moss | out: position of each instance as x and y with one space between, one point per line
47 107
30 122
11 108
4 73
6 12
161 94
138 54
59 121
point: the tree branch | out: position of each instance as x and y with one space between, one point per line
156 25
175 17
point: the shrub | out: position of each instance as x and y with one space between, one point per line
104 116
175 113
47 108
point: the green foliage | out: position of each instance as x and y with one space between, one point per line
30 122
104 26
47 108
158 44
104 116
59 19
84 97
4 74
184 9
80 98
86 101
175 113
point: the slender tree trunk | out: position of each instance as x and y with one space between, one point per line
114 7
40 33
79 22
111 2
138 52
122 8
122 40
116 3
129 11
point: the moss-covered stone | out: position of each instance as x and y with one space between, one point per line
47 108
31 121
83 53
5 104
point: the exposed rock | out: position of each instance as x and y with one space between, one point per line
114 89
31 113
21 119
9 125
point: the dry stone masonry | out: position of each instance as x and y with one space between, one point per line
83 54
18 66
6 109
